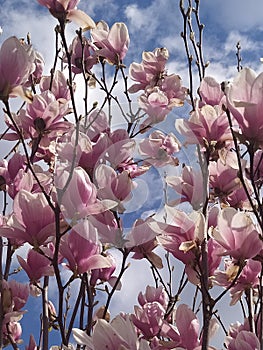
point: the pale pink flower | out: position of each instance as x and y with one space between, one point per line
237 234
33 220
83 56
142 241
244 340
120 333
189 185
182 234
105 273
13 329
43 118
150 71
112 43
81 248
245 103
36 266
188 327
224 180
159 148
80 197
210 91
59 86
15 67
20 294
66 10
112 185
207 126
149 318
153 294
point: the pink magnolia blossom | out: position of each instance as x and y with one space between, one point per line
182 234
81 248
112 43
153 294
113 186
149 318
150 71
237 234
36 266
211 92
159 149
32 221
189 185
188 327
244 340
83 55
59 86
142 241
104 274
15 67
248 278
207 126
20 294
120 333
14 330
66 10
245 103
80 197
44 118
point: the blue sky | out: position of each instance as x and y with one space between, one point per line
152 24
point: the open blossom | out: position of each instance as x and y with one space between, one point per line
149 318
112 43
211 92
81 248
150 71
159 149
32 221
237 234
248 278
207 126
112 185
244 96
36 266
119 334
83 55
244 340
66 10
59 86
16 64
80 198
189 185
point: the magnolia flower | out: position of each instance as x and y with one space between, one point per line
237 234
81 248
112 185
112 43
16 64
244 97
80 198
36 266
119 334
33 220
207 126
244 340
159 148
189 185
66 10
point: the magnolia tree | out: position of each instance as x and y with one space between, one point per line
73 165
